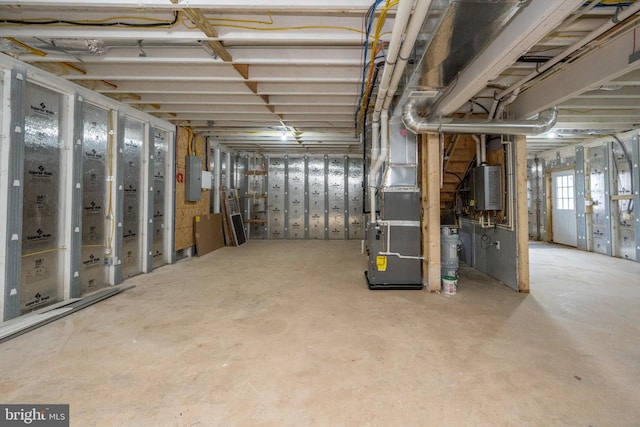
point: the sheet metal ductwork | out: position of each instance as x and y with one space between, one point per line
417 124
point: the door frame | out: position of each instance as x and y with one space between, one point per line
549 197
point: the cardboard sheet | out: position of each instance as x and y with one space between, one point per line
208 233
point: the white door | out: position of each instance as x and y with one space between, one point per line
563 212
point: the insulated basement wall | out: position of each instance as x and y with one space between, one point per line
607 170
309 197
72 164
97 212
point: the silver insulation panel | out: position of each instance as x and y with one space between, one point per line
623 210
224 174
599 197
160 173
132 215
337 193
276 192
254 188
316 194
95 199
296 198
536 199
355 194
307 198
43 201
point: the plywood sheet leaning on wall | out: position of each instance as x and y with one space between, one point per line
186 211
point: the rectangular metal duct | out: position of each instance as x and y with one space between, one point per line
464 29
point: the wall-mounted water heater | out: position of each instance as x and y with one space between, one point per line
487 188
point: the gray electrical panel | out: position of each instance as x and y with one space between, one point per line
487 188
193 178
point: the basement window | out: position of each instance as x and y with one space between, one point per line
564 193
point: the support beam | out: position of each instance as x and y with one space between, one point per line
522 214
594 69
430 180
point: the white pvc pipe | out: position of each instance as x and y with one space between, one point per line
398 53
412 32
476 138
384 149
403 14
373 174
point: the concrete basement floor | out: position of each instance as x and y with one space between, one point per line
285 333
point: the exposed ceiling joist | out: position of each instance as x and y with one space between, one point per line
591 70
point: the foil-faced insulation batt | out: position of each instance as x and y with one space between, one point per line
160 150
316 180
356 222
43 213
95 199
132 220
276 190
623 210
335 179
599 198
296 208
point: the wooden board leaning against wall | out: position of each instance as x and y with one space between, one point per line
185 211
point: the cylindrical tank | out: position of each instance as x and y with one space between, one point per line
449 246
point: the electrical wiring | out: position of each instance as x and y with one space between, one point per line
189 141
611 3
473 101
367 22
296 28
375 50
246 21
110 214
630 166
46 251
107 22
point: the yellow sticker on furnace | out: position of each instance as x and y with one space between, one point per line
381 262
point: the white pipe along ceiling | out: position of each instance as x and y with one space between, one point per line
245 73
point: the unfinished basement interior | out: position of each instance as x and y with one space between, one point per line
354 212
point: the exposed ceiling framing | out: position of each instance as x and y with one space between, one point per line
287 76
